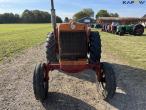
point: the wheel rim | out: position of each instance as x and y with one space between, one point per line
45 82
138 31
102 86
102 83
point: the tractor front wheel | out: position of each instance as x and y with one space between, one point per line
40 85
107 86
95 48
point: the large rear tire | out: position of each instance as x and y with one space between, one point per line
121 33
138 30
107 86
50 49
40 86
95 48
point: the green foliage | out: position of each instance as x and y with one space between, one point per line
105 13
28 16
144 16
114 15
16 37
79 15
36 16
9 18
102 13
58 19
66 19
87 12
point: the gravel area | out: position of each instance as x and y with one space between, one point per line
68 92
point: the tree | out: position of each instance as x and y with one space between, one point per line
17 18
41 16
36 16
102 13
66 19
105 13
28 16
58 19
9 18
80 15
87 12
144 16
114 15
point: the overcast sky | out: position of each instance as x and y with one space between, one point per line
69 7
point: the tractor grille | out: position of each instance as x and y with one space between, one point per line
73 45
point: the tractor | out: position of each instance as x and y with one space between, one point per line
114 27
104 27
71 48
132 29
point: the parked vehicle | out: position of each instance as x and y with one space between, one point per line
114 27
132 29
97 26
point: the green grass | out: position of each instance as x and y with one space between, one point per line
17 37
129 48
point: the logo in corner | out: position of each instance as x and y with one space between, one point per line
141 2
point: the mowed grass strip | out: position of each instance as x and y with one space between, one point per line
17 37
128 47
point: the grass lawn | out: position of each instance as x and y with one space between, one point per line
17 37
129 48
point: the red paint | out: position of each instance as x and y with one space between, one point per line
72 68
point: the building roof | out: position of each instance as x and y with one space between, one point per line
118 18
126 19
85 18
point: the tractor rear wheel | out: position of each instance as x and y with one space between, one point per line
40 85
107 86
95 48
117 33
138 29
50 49
121 33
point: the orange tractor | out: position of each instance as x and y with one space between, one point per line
72 47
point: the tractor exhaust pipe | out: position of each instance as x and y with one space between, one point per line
53 16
